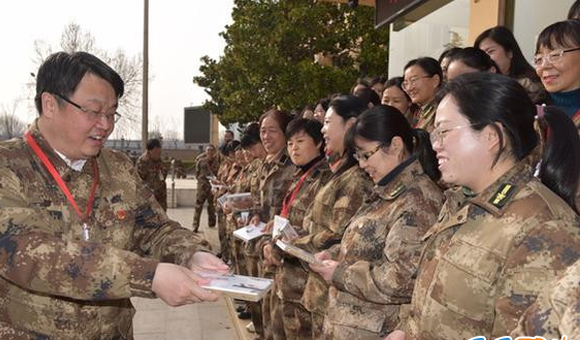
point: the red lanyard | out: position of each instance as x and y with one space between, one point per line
50 167
287 204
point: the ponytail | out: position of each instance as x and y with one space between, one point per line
425 154
560 164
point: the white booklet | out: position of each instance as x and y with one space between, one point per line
241 287
250 232
297 252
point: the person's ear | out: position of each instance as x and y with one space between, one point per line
397 147
491 137
350 122
49 105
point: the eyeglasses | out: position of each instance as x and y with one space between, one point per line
91 114
551 57
438 134
412 81
364 156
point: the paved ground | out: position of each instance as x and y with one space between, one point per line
208 321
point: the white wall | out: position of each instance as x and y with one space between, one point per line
532 16
428 36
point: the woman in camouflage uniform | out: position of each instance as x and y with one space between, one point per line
423 77
306 149
335 203
269 189
378 257
556 312
503 236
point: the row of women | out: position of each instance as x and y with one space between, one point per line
398 257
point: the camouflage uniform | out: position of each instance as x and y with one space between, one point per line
224 168
379 256
204 168
489 256
290 319
275 177
153 173
426 117
556 312
535 89
328 217
55 285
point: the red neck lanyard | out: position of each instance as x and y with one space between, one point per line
50 167
289 199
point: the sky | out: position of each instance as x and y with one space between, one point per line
180 33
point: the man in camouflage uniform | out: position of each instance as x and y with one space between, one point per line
153 172
79 232
556 312
207 165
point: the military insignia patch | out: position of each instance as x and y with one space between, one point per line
397 191
121 215
503 194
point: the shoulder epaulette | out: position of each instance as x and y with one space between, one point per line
398 190
502 195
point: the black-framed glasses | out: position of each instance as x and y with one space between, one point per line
365 156
412 81
91 114
551 57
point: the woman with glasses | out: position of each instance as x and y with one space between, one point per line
423 78
557 62
371 272
501 45
335 203
395 96
502 234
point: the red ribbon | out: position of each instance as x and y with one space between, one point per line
50 167
289 199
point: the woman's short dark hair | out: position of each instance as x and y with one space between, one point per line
282 118
519 67
368 96
397 82
448 53
61 73
563 33
323 102
489 99
428 65
310 127
250 136
382 123
475 58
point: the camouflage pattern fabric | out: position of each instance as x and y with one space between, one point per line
54 284
333 207
204 168
292 321
379 256
426 118
153 173
556 312
489 256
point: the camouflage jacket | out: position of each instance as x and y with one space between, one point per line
291 277
380 250
153 173
54 284
489 256
275 178
556 312
426 117
333 207
204 168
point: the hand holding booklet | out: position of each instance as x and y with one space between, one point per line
250 232
297 252
241 287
